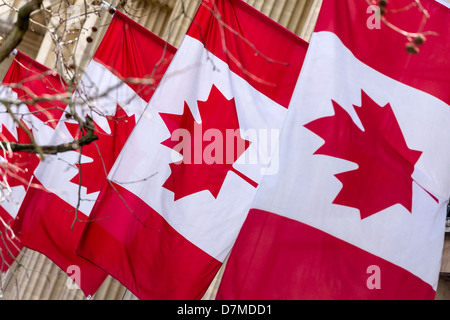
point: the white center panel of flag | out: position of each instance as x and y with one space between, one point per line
200 216
57 171
41 133
12 198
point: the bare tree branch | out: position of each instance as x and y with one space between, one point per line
87 138
20 28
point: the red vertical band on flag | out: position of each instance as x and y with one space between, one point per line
47 228
151 55
384 49
320 269
9 246
160 245
264 61
30 79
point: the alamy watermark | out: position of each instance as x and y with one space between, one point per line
374 20
74 280
235 146
374 280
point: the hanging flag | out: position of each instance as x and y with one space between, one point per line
357 207
182 186
113 92
24 85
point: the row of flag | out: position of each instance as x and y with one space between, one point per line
316 171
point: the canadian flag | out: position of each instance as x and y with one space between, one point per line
114 91
357 207
26 80
183 183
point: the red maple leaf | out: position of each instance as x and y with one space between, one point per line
19 166
205 164
385 163
104 151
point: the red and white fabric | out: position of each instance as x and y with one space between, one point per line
178 193
113 92
357 207
25 81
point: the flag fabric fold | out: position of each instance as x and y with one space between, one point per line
357 207
25 82
113 92
184 181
